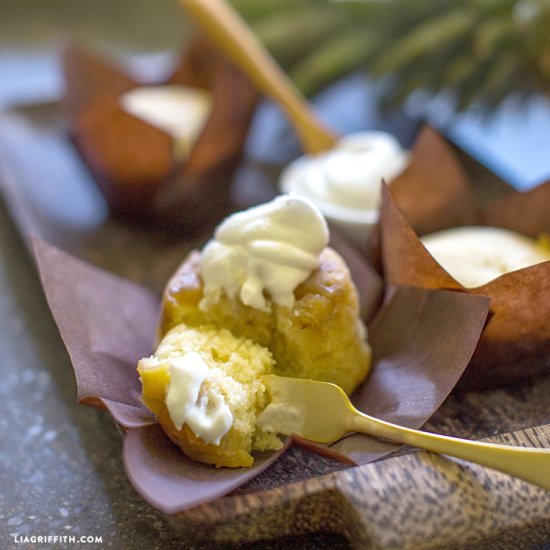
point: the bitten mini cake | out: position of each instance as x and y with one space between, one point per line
265 295
269 276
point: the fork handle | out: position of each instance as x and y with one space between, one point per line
230 32
528 463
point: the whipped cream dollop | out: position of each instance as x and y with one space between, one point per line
264 252
346 180
180 111
191 401
473 255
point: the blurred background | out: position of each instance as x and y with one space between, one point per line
479 70
31 31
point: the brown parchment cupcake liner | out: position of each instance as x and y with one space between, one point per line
434 192
527 212
422 341
515 343
133 162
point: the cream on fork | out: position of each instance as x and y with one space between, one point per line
322 412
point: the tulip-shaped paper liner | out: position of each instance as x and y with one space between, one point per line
515 343
434 191
422 341
134 163
526 212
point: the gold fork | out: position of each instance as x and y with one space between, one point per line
322 412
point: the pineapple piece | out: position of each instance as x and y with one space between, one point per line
320 337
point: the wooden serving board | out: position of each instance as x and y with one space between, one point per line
410 500
419 500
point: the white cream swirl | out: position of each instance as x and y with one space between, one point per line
180 111
190 402
350 175
474 255
265 251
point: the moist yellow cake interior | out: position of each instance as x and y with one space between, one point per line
235 365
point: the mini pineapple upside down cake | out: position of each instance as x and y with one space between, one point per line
265 295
